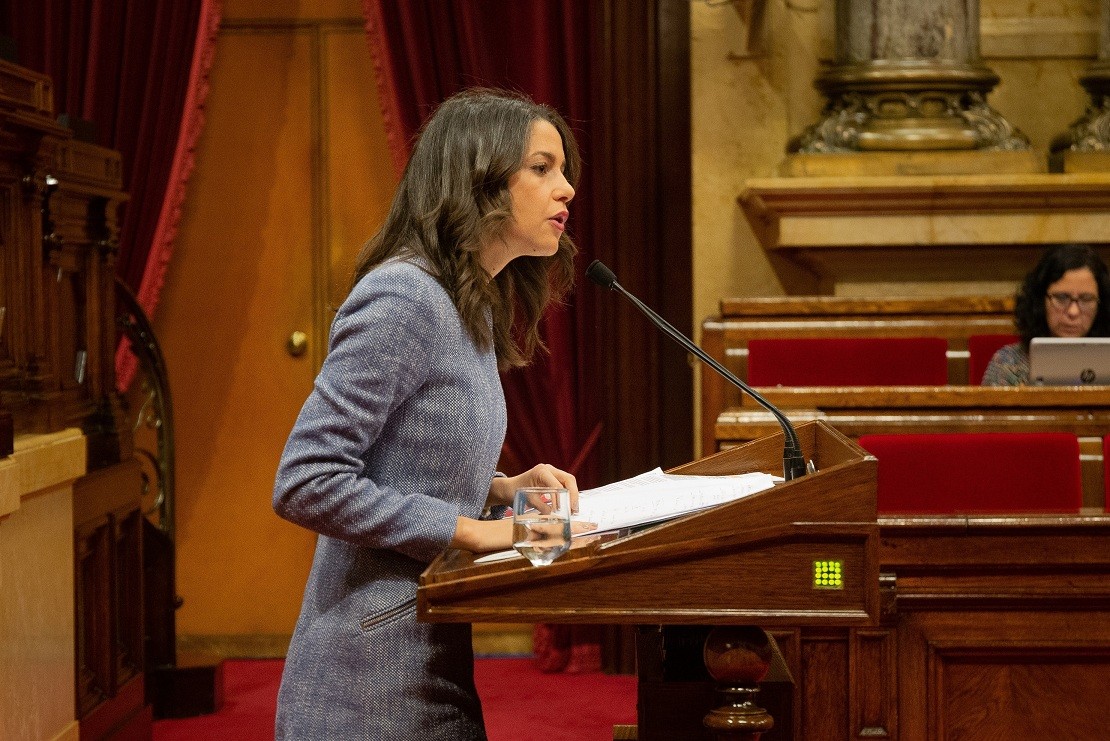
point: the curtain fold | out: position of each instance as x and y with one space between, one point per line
137 72
159 247
425 51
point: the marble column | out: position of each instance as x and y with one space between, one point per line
1091 131
908 77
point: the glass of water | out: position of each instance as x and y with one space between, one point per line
541 523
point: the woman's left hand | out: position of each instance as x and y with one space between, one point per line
543 474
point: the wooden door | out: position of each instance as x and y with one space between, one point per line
292 175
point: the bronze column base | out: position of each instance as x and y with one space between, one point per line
1091 131
908 106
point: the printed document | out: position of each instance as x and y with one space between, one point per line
654 496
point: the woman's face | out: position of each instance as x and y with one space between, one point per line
1071 303
540 193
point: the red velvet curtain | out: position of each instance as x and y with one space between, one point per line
137 71
425 51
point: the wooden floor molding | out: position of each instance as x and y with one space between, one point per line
490 639
502 639
249 646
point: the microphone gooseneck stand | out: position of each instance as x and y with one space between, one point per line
793 462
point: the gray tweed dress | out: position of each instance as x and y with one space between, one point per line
400 436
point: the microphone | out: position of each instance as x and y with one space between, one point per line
793 463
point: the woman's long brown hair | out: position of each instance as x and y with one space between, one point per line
454 197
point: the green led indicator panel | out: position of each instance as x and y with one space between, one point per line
828 574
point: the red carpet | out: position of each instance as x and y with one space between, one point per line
520 702
565 707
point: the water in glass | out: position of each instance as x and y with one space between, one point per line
541 524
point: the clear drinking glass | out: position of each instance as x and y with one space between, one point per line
541 523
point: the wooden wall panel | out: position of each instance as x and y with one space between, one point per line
824 686
983 675
107 520
874 704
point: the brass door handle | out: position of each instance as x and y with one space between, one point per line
297 345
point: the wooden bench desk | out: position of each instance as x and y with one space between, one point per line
856 411
725 337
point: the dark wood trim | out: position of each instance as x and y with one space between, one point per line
674 281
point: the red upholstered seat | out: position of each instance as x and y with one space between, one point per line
984 472
848 361
980 349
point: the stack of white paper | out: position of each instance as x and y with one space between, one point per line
654 496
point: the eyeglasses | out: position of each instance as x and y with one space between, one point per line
1063 301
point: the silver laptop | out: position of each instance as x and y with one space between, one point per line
1069 361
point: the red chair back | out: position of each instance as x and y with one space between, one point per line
980 349
848 361
984 472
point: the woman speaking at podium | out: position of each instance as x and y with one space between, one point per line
1063 296
392 457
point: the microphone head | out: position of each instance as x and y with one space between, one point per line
601 275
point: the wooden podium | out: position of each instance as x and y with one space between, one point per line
804 553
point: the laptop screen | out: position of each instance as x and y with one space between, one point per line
1069 361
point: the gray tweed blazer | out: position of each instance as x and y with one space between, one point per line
399 436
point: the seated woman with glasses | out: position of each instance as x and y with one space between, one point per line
1060 297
